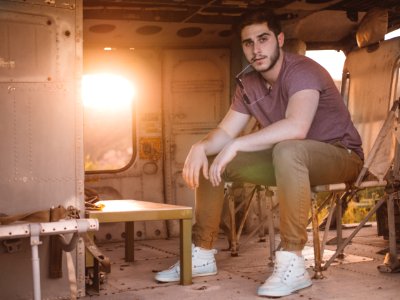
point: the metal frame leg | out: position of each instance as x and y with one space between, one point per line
332 207
129 241
317 246
391 263
96 276
236 233
355 231
271 228
232 214
186 251
261 205
339 231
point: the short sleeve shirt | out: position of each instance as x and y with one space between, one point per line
332 122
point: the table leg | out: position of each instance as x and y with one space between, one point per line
186 251
129 241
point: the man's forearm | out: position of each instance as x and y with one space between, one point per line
267 137
215 141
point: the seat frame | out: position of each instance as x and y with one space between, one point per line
391 185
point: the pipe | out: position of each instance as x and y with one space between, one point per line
35 242
35 230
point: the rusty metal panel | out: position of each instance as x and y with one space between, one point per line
196 97
35 61
40 113
371 74
36 164
150 148
41 128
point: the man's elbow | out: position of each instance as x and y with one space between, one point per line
300 137
298 128
300 132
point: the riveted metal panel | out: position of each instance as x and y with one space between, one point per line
196 97
41 127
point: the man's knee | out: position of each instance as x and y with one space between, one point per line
289 151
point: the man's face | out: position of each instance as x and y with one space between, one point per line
260 46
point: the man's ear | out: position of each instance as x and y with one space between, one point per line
281 39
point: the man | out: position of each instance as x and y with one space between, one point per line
306 138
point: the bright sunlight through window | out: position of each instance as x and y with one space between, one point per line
331 60
107 91
108 107
392 34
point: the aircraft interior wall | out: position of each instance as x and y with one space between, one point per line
41 127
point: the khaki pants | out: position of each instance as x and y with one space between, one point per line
293 166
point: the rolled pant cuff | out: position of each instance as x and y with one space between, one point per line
292 245
202 243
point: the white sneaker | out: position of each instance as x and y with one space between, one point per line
203 264
289 275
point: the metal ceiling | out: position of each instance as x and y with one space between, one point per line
226 11
322 24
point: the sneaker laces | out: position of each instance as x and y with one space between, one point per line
198 257
176 265
279 272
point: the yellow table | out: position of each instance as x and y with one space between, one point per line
129 211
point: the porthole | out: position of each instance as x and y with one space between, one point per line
102 28
189 32
148 30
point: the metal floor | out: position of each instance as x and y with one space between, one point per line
238 277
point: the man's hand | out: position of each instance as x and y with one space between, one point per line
223 158
195 161
218 140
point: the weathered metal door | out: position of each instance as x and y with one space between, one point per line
195 99
41 130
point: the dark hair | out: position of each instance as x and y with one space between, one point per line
257 17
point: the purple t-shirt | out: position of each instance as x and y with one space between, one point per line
332 122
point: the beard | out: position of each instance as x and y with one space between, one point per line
273 58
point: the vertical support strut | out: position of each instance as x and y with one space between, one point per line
317 246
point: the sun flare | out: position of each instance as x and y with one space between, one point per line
107 91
